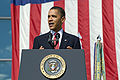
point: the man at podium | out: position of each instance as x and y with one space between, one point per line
56 38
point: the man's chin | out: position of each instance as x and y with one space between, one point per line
51 28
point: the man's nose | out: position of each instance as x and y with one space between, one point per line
50 18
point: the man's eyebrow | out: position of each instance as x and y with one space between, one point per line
54 16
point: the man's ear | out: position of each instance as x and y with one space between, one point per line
63 19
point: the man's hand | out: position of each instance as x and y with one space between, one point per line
68 47
41 47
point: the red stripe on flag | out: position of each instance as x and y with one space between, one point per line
15 41
109 40
60 3
35 22
83 29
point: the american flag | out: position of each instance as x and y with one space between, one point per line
84 18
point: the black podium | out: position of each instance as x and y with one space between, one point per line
74 59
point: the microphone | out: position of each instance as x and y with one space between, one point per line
50 41
57 36
50 37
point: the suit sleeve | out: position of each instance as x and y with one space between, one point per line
36 43
77 44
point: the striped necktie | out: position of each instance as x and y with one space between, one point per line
55 42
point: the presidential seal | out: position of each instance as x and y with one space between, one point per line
52 66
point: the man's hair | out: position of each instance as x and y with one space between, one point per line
61 10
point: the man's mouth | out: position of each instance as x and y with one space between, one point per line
51 24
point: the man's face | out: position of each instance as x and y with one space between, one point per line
54 20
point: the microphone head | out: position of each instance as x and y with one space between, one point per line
50 37
57 36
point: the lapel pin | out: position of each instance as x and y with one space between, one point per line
65 40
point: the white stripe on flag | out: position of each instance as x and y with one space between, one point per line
24 27
71 23
44 16
117 32
95 14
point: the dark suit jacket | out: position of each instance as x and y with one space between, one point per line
67 40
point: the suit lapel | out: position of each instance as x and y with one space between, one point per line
64 40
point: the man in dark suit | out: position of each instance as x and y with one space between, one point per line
56 17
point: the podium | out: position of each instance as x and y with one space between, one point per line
31 60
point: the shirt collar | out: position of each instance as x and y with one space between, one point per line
60 32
